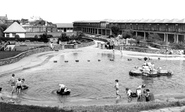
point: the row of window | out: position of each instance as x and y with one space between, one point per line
8 35
146 27
40 29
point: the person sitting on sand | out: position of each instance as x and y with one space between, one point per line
129 93
147 95
22 80
23 84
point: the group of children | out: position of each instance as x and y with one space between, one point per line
141 93
17 84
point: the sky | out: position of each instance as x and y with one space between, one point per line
68 11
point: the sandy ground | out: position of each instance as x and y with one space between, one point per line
35 60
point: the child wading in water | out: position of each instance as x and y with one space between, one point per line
13 83
117 89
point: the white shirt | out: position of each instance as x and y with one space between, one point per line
129 92
117 86
139 92
19 83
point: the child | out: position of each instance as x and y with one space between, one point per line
117 89
13 83
129 93
1 94
19 85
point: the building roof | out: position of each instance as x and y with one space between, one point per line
138 21
64 25
15 28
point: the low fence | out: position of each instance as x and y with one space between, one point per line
74 46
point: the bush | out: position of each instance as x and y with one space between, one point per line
63 37
115 30
44 37
180 45
127 34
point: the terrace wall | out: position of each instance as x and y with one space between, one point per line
74 46
42 49
139 49
22 55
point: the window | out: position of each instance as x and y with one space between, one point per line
7 35
13 34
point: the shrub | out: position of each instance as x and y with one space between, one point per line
44 37
180 45
127 34
63 37
115 30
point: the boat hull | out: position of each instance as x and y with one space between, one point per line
156 74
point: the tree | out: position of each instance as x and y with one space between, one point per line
127 34
24 21
44 38
2 29
80 35
16 21
63 37
138 39
154 38
180 45
115 30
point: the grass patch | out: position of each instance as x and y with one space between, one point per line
8 54
128 107
4 107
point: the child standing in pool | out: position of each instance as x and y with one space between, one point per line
13 83
117 89
19 86
1 95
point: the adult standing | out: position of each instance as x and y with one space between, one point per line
13 83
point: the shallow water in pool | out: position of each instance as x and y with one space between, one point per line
92 78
